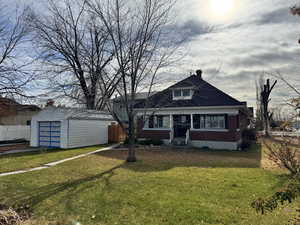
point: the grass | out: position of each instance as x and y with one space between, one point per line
163 188
27 160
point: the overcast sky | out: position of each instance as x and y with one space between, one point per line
246 38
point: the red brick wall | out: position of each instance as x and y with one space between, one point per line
215 136
154 134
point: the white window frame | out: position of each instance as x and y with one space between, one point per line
181 97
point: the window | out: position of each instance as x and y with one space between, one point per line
182 94
177 93
28 122
209 121
158 121
199 121
186 92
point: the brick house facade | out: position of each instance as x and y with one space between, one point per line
194 111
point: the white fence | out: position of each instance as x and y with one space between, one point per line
8 133
285 134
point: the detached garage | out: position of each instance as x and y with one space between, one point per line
69 128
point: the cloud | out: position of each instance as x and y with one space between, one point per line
189 29
266 58
281 15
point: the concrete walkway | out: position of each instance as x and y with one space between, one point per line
48 165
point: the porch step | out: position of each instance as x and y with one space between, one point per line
179 142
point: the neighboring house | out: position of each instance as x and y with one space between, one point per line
13 113
69 128
119 108
193 112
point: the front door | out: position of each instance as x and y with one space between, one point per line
181 124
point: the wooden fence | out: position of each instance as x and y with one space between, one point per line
116 133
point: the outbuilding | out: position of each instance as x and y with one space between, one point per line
56 127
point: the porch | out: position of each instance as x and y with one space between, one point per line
211 130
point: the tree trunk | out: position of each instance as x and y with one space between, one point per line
267 134
131 150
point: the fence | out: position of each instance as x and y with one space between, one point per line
116 133
8 133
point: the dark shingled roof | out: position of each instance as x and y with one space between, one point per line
204 95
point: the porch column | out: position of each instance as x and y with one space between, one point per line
192 122
171 129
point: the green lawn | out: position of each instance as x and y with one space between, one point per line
162 188
20 161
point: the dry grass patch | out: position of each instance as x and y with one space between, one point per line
193 157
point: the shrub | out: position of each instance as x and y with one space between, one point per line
283 155
126 141
246 143
249 134
287 195
151 142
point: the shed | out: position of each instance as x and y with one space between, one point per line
69 128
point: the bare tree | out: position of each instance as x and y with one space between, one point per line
259 108
77 52
13 34
265 100
138 30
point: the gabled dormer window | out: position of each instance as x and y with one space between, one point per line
182 94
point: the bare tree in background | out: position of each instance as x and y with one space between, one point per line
13 34
265 100
138 30
77 52
259 124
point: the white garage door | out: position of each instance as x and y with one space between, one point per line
49 134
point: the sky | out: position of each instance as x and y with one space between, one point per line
234 42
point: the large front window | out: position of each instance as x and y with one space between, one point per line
209 121
157 121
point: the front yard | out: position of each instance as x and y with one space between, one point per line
163 187
20 161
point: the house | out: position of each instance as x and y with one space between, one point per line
69 128
12 113
193 112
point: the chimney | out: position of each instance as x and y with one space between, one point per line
199 73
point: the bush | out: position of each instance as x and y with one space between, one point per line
126 141
151 142
249 134
286 195
283 155
245 144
